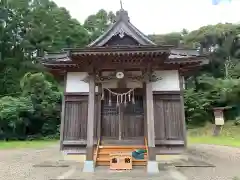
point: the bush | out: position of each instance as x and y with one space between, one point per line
196 107
237 121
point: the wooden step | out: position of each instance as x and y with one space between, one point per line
107 155
105 151
134 160
106 162
123 142
135 163
103 158
122 147
118 148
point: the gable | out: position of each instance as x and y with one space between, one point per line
122 32
121 40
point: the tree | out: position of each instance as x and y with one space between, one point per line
167 39
46 100
33 27
97 24
13 115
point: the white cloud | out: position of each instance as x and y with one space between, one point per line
160 16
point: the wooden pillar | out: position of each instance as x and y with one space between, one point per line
181 84
99 118
63 114
145 109
150 121
90 122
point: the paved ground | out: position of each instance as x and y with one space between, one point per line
226 161
19 165
136 174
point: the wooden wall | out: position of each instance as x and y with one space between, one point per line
169 126
168 117
75 122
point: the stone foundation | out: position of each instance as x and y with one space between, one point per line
74 157
171 158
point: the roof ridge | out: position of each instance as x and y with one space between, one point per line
124 24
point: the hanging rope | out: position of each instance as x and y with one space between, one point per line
121 97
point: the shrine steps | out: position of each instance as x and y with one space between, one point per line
104 151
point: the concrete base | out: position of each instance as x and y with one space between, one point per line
88 166
74 157
171 158
152 167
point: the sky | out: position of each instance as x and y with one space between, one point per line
160 16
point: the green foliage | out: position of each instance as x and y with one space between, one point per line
97 24
13 110
30 97
197 107
168 39
36 111
237 121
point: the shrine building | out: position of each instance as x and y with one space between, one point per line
123 92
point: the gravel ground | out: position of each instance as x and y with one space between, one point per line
19 164
225 159
138 173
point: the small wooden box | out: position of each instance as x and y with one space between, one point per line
219 117
120 161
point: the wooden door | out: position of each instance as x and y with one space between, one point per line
132 121
110 118
122 121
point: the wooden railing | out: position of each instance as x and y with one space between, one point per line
146 146
96 152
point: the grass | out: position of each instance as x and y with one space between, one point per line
26 144
229 136
226 141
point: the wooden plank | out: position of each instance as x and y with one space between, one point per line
91 113
76 93
172 150
166 92
76 142
159 121
169 142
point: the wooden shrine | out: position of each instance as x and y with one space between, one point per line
120 89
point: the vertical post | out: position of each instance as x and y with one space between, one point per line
89 164
152 165
120 126
145 109
150 119
99 118
63 114
181 85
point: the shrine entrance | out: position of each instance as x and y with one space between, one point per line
122 116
